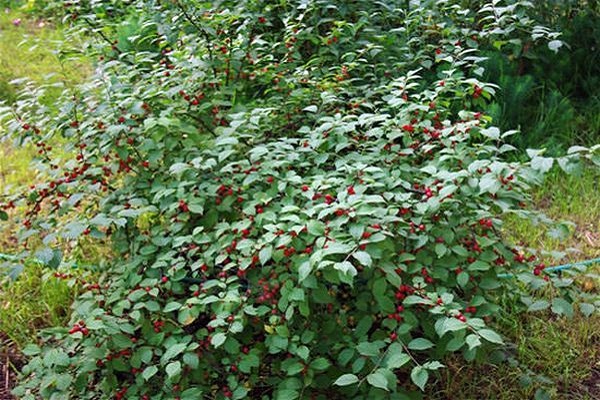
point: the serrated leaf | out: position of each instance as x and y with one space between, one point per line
562 307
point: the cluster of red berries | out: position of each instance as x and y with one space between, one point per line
520 257
158 326
192 99
121 393
537 270
486 223
183 207
426 275
472 245
403 291
79 327
270 291
225 191
397 315
471 310
27 127
227 392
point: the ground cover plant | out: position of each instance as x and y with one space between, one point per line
305 201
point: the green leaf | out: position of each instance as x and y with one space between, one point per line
562 307
446 324
31 350
173 369
320 364
363 257
473 341
368 348
346 379
538 305
587 309
490 336
462 279
287 394
265 254
420 344
172 306
218 339
419 376
149 372
315 228
191 359
173 352
378 380
304 271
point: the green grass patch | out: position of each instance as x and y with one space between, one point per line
35 300
30 50
559 355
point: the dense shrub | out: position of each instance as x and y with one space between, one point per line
304 199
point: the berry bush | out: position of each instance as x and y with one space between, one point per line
304 199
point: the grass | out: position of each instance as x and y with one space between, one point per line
559 355
35 299
29 51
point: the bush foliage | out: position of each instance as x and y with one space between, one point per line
304 198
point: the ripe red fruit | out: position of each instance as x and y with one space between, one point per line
262 20
393 336
183 206
270 179
305 188
366 235
408 128
351 190
164 279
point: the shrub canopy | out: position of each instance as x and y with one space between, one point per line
304 198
